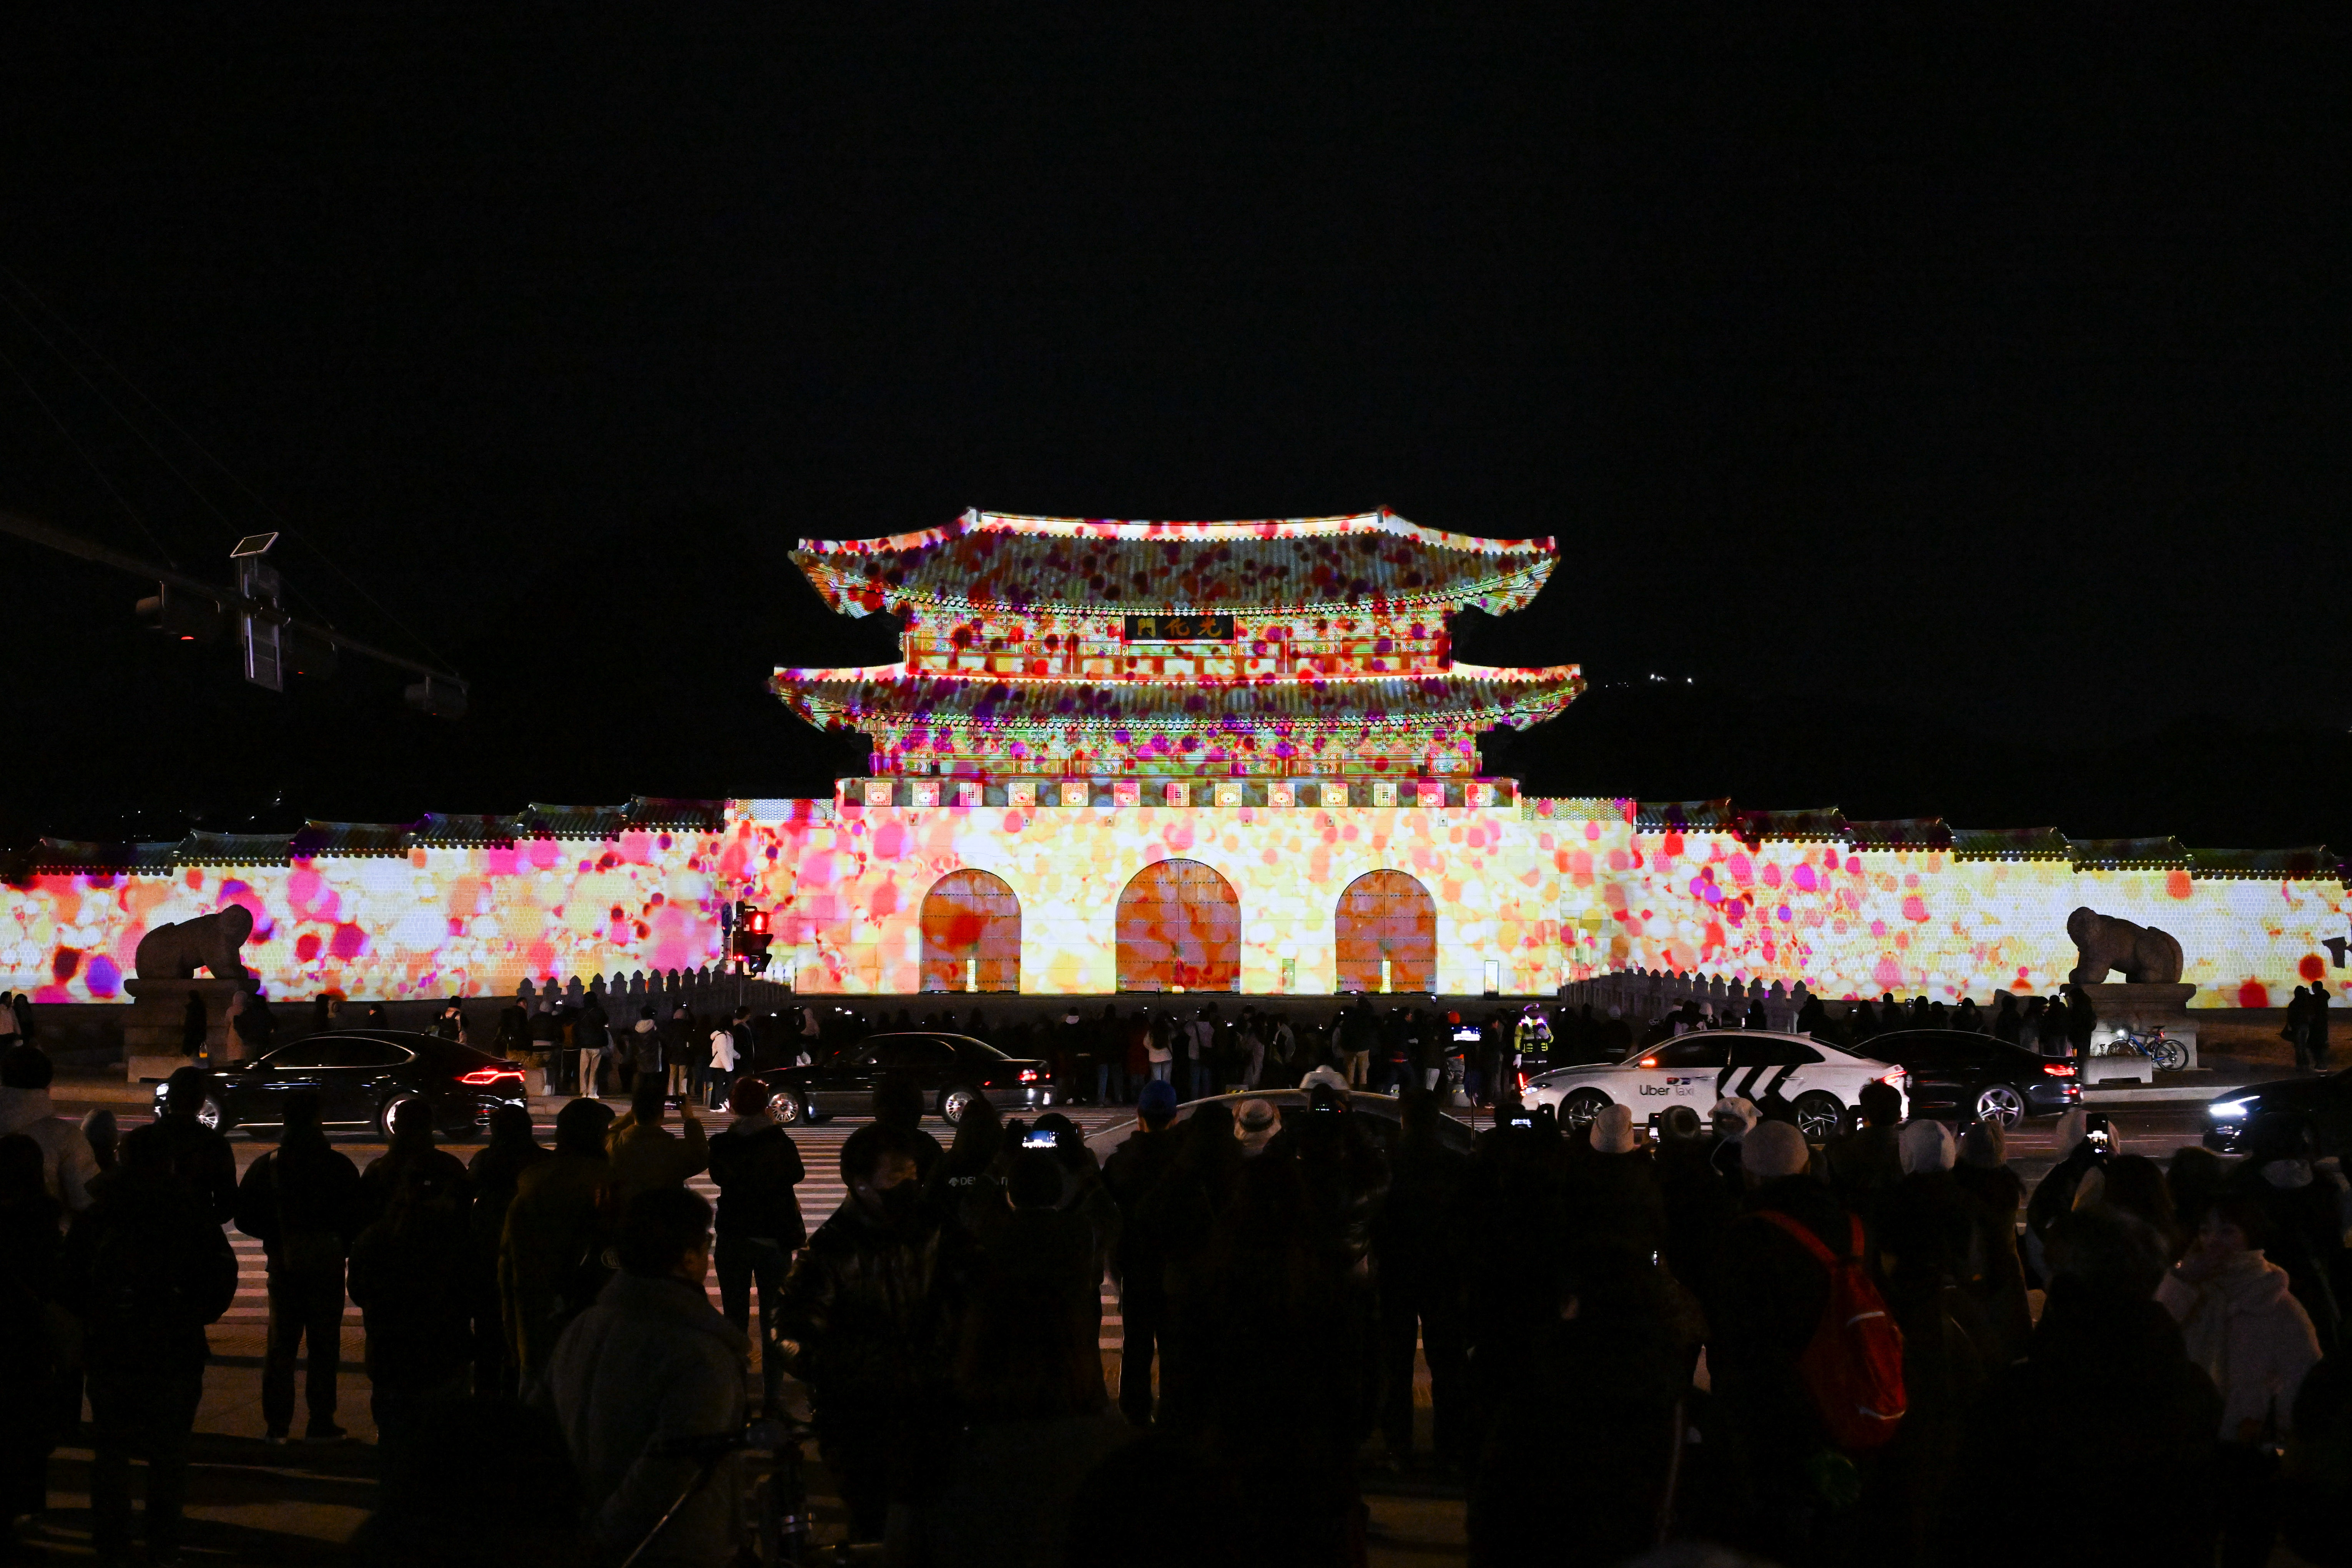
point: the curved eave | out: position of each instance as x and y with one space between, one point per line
976 521
853 697
857 596
832 565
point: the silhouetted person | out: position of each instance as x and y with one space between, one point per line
493 1176
651 1364
303 1201
146 1268
865 1308
1865 1163
411 1144
898 1105
66 1163
409 1276
104 1136
1034 1424
1591 1430
199 1155
1133 1172
1418 1239
32 1352
757 1168
1767 1296
646 1155
2107 1374
551 1253
2007 1025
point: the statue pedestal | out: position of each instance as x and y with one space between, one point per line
151 1033
2142 1008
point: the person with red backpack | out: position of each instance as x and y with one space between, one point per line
1804 1361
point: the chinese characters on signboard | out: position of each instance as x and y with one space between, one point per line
1179 628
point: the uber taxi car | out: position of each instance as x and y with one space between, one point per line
1814 1082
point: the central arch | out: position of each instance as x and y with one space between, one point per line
972 933
1179 927
1386 915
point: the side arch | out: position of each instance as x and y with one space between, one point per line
1385 915
1180 929
972 933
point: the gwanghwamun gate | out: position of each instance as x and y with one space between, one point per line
1206 756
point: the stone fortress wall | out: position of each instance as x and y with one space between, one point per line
1518 896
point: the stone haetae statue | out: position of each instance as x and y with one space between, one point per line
2146 956
175 951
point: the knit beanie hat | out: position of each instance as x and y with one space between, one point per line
1612 1130
1739 1110
1926 1145
1772 1150
1985 1146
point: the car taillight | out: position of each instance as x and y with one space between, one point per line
1897 1077
2059 1070
1523 1081
1028 1075
482 1077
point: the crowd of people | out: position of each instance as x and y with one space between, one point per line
1813 1354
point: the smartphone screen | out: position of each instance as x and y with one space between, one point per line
1038 1139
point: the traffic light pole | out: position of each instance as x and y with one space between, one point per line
57 538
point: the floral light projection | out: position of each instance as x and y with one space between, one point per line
1203 755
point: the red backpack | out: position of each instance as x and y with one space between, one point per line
1854 1364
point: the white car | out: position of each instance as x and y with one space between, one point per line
1817 1081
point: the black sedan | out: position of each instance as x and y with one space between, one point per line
1975 1077
951 1071
2320 1102
361 1077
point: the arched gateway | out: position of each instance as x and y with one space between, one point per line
1180 929
971 934
1386 915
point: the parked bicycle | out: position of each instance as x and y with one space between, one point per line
2168 1054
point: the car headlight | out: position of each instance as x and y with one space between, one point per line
2228 1110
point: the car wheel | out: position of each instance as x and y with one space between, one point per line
1817 1116
1577 1112
391 1106
785 1109
2002 1105
211 1114
954 1103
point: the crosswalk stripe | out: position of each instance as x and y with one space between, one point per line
822 1193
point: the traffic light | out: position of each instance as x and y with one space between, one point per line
437 698
177 613
748 935
308 654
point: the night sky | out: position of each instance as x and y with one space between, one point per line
1956 410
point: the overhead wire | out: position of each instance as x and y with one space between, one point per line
204 452
95 466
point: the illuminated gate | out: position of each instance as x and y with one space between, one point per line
1179 927
971 934
1386 915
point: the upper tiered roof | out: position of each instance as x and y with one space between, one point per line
985 561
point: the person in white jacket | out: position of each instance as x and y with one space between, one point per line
2239 1321
67 1162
